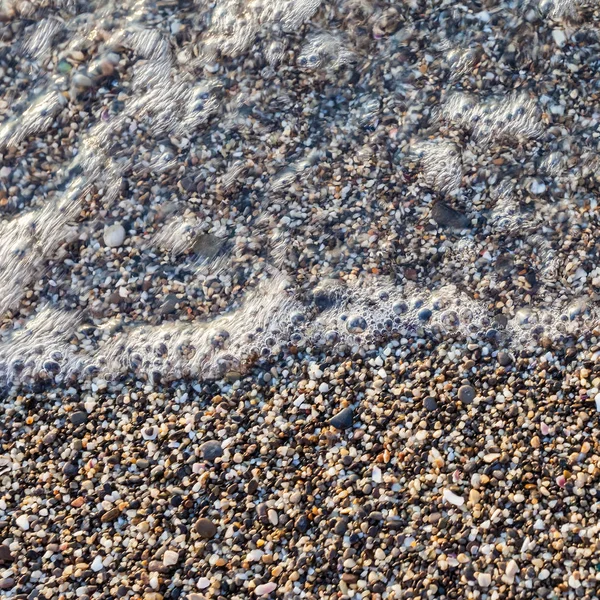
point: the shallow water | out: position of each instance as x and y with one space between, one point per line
347 172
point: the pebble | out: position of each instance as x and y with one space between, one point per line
114 235
484 579
97 564
265 588
211 450
343 419
430 404
205 528
452 498
170 558
79 417
466 394
23 522
504 358
203 583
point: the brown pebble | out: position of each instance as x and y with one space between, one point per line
205 528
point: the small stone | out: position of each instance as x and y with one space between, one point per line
82 81
273 518
170 558
484 579
466 394
512 568
114 235
5 555
559 37
452 498
302 524
79 417
23 522
446 216
504 358
205 528
265 588
343 420
430 404
110 515
323 388
211 450
538 187
70 470
97 564
7 583
203 583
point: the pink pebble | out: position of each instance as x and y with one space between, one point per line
561 481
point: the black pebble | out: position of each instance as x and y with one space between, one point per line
343 420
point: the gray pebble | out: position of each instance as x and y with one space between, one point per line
79 417
211 450
429 403
466 394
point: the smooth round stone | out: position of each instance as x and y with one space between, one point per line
205 528
504 358
79 417
466 394
211 450
114 235
429 403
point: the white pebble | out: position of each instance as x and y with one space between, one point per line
203 583
451 497
170 557
377 476
512 568
484 579
538 187
324 388
23 522
544 574
265 588
559 37
97 564
114 235
254 555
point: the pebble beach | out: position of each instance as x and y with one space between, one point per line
299 299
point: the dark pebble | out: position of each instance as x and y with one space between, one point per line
466 394
205 528
343 419
110 515
429 403
5 555
70 470
302 524
504 358
211 450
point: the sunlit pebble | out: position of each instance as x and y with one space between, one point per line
377 476
265 588
203 583
544 429
561 481
452 498
97 564
23 522
484 579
